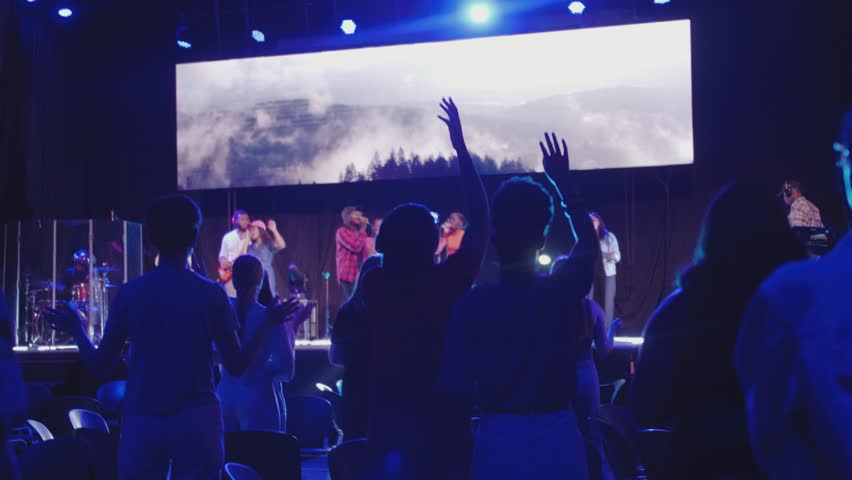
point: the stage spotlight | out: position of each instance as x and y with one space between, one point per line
31 1
577 8
479 13
184 44
661 2
348 26
258 36
544 260
65 12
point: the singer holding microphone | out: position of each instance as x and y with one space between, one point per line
452 232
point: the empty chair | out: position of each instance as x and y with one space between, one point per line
59 458
111 395
349 460
311 420
82 418
273 455
40 429
55 412
238 471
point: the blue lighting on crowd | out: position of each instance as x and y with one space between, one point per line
479 13
65 12
258 36
184 44
348 26
577 8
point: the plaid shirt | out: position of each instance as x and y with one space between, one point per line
803 213
351 248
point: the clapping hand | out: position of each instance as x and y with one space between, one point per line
555 161
278 312
64 319
453 122
302 313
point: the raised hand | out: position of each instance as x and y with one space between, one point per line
272 226
278 312
65 319
453 122
555 161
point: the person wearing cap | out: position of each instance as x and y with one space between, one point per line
266 241
351 239
803 213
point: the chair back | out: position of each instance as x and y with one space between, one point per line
610 391
653 448
311 420
336 401
111 395
619 451
55 413
273 455
82 418
238 471
59 458
40 429
349 460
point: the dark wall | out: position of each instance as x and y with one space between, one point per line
88 125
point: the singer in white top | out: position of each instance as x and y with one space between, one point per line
610 255
234 244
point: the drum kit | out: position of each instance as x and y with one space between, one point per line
90 299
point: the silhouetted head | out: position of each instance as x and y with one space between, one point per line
247 275
521 213
172 223
744 238
599 224
369 264
408 235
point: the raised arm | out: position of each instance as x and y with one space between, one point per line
101 361
278 242
475 198
585 250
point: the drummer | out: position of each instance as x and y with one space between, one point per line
76 274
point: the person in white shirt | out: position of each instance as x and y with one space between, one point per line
610 255
234 244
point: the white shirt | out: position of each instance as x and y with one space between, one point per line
609 245
233 246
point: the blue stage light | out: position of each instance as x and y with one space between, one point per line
479 13
184 44
661 2
544 260
65 12
577 8
348 26
258 36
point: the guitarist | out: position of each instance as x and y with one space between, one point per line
234 244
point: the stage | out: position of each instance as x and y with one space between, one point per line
60 368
